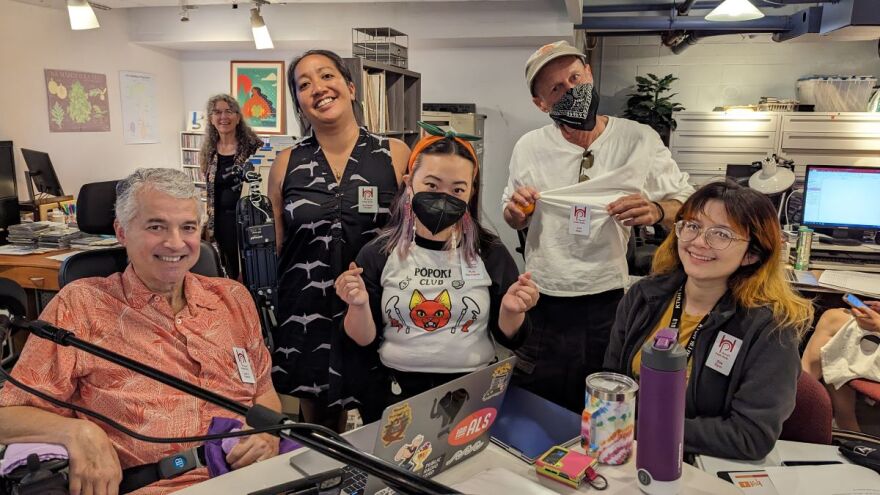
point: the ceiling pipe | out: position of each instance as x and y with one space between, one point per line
635 24
698 5
686 6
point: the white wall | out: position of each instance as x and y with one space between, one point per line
728 70
34 38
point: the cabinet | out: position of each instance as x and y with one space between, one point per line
468 123
390 98
706 142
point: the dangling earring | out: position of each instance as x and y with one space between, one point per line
410 221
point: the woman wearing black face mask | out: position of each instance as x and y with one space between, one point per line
435 289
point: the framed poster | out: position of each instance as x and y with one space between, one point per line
77 101
259 89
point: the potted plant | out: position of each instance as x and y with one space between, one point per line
648 106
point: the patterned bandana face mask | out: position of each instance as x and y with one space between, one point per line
577 108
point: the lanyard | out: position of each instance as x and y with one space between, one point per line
676 319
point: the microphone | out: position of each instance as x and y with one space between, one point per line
39 328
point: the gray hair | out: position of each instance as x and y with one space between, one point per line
169 181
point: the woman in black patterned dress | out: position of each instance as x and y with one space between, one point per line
330 194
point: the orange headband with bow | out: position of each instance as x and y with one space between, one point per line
436 134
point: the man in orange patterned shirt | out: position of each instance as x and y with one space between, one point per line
160 314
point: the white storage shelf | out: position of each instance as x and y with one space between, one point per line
706 142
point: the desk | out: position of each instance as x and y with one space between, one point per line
783 451
34 272
621 479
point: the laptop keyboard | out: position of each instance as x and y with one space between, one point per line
355 481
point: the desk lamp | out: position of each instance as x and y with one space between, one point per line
772 179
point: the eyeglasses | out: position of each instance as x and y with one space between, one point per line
716 237
228 112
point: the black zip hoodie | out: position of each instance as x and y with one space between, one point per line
738 416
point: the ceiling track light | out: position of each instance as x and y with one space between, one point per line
81 15
733 11
262 39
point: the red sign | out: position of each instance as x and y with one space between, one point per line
473 426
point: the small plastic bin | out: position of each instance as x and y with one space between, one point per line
836 93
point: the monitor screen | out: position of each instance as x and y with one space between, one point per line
842 197
42 172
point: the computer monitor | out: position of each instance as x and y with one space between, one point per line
842 201
740 173
42 172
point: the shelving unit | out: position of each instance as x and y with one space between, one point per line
398 100
190 144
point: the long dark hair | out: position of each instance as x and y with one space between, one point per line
248 141
761 283
474 237
304 123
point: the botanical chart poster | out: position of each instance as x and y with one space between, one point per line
77 101
259 89
139 120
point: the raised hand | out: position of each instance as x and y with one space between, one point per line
521 296
350 286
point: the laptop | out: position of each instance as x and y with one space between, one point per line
530 425
437 429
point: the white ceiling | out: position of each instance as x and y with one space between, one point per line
121 4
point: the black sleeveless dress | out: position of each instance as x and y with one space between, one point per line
323 233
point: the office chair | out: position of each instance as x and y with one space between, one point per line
95 215
13 301
811 419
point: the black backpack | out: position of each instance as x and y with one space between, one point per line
859 448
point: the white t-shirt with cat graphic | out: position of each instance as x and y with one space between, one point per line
430 317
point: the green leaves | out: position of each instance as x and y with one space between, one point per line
79 109
57 114
647 105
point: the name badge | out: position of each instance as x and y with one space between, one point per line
471 271
579 220
368 199
244 365
723 353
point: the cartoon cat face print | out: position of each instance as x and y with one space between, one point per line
430 314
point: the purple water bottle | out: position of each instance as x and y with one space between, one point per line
660 423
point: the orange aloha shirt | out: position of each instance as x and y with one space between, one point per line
196 345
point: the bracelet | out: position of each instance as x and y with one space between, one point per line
662 212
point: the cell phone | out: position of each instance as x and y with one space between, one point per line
809 463
328 482
853 301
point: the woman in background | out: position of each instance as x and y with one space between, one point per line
717 280
844 348
330 195
229 143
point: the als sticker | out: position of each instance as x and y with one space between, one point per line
472 426
399 419
500 379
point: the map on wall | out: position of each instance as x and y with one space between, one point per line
139 121
77 101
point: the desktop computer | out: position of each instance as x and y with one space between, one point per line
842 202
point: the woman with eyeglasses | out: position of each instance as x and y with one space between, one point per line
721 264
229 143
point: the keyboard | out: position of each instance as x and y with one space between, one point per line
355 481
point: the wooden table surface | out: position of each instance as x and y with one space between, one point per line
33 271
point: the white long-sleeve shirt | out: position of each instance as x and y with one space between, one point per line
628 158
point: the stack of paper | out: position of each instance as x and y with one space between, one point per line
867 284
